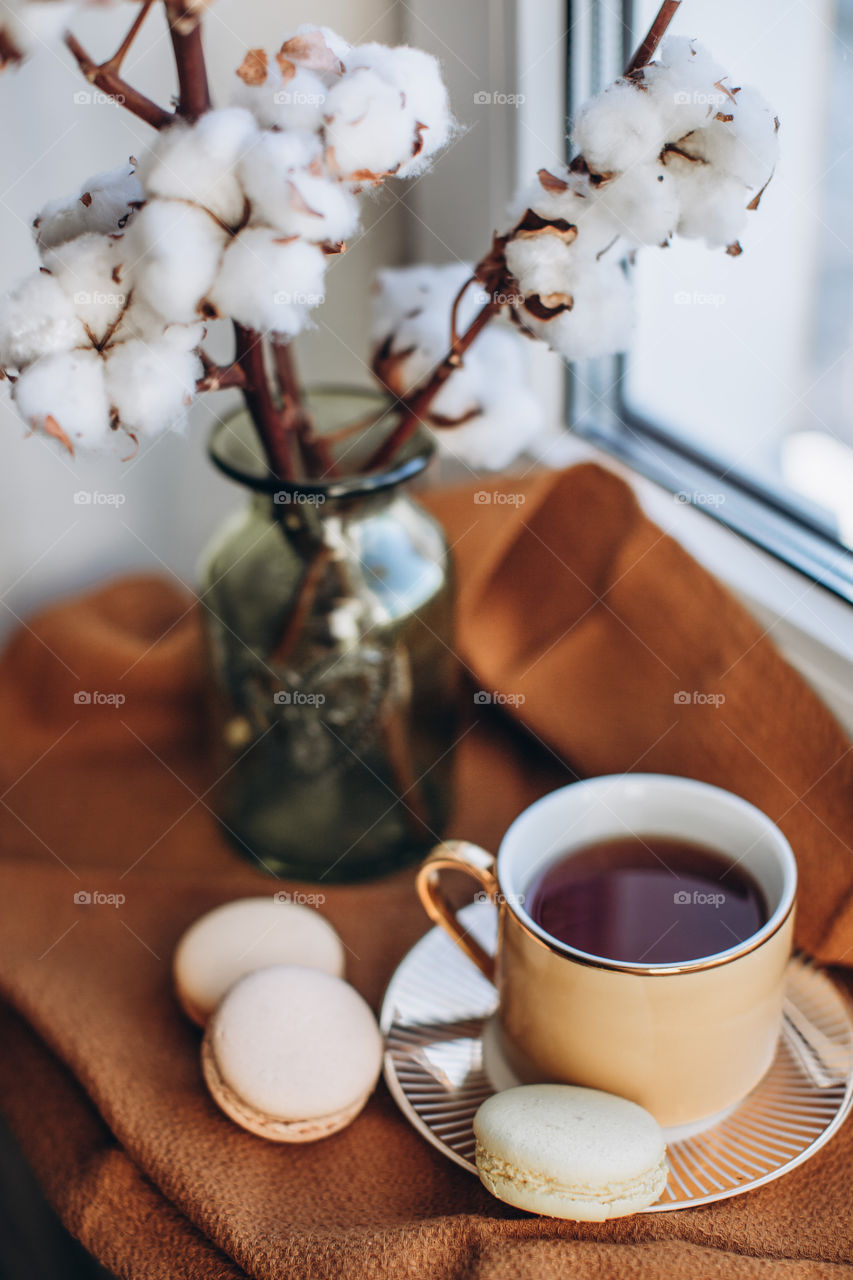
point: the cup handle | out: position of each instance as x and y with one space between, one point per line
457 855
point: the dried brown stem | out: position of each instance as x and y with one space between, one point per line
114 63
193 89
276 434
111 83
414 409
645 50
219 377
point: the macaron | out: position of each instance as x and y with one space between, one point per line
291 1054
251 933
569 1152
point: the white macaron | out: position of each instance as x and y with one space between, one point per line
569 1152
225 944
291 1054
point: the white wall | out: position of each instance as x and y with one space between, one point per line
172 499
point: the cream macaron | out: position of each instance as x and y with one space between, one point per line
569 1152
291 1054
225 944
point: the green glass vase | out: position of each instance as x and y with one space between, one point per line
329 624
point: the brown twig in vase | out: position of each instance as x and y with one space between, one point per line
493 275
315 452
277 434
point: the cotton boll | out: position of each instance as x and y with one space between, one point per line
619 128
139 320
277 101
713 206
683 83
643 204
268 283
150 385
577 213
318 209
68 388
745 147
370 131
417 75
89 270
497 436
541 264
198 162
410 312
600 321
37 318
104 205
285 195
173 252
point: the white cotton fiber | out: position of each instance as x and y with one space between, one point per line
601 320
142 321
104 204
286 194
713 206
683 83
745 147
268 283
619 128
150 385
418 76
89 270
37 319
295 101
370 131
198 162
497 436
541 264
70 389
643 204
173 252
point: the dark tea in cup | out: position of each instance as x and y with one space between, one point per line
647 900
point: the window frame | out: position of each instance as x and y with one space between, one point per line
802 538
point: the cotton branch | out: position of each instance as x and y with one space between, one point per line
276 433
185 33
105 75
489 271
